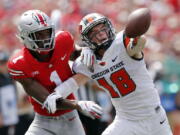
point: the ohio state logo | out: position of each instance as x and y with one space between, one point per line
40 19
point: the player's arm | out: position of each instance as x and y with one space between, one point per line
40 94
88 108
34 89
71 85
55 102
134 46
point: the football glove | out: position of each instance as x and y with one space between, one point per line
50 102
90 109
88 58
136 45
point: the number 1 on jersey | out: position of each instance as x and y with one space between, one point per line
54 77
121 80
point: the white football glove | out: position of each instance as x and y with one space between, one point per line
90 109
50 102
88 58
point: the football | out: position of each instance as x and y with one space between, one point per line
138 23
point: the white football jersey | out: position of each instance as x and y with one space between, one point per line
125 79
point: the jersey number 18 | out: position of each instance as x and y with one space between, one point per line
121 80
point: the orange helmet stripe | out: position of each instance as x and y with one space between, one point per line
89 19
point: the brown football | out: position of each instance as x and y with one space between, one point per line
138 22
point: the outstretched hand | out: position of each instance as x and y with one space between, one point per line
90 109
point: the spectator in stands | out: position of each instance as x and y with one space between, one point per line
8 99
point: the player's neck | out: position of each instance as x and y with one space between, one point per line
40 57
100 53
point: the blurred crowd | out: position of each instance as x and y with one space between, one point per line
162 52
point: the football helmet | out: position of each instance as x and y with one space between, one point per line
90 21
32 25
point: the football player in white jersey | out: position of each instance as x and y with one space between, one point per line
121 71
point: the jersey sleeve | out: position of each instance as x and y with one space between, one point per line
16 67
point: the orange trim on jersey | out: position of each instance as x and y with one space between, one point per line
126 41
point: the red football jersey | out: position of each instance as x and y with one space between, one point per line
49 74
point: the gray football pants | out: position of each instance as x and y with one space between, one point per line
67 124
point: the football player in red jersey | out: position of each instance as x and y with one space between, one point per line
40 66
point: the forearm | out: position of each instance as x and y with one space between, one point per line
63 104
38 92
34 89
41 95
71 85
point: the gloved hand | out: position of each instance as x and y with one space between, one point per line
88 58
50 102
90 109
136 45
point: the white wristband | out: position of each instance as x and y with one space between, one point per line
67 87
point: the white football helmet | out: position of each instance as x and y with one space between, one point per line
34 21
91 20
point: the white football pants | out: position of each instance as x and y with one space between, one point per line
67 124
156 125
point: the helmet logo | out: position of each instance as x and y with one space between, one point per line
89 20
40 19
